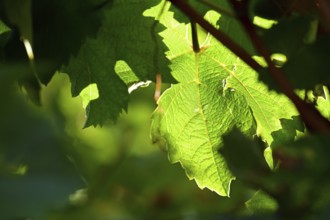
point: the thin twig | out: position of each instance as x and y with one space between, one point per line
158 89
194 37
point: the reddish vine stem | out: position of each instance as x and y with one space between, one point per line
313 119
158 89
324 8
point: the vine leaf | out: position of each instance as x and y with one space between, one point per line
132 39
194 114
216 92
261 203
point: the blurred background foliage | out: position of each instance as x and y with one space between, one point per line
51 168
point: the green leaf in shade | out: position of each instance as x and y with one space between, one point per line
233 29
261 203
306 58
4 35
18 14
59 28
287 36
266 9
309 67
202 7
304 164
35 173
53 29
133 39
3 27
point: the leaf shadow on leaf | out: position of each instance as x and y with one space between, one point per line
244 156
288 131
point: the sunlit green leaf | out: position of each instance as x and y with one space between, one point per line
267 106
263 23
194 114
323 103
216 92
88 94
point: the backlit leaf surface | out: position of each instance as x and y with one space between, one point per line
216 92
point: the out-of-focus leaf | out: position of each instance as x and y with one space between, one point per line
266 9
18 14
303 164
261 203
4 35
3 28
295 39
59 28
35 174
309 67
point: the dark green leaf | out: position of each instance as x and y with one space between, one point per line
310 66
133 39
